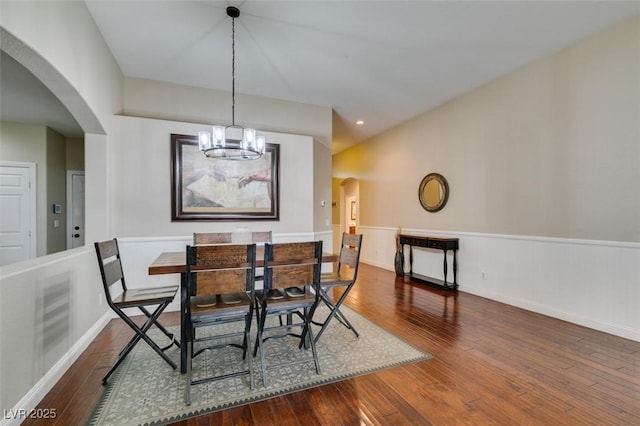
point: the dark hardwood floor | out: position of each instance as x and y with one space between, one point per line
492 364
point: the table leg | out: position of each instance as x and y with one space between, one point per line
445 269
183 320
455 268
411 260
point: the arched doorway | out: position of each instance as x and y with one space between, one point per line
350 206
37 85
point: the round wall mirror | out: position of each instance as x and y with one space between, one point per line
433 192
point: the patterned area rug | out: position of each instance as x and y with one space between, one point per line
145 390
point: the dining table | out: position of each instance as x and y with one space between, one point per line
175 262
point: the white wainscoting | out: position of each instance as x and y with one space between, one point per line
591 283
50 311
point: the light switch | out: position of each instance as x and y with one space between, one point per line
56 223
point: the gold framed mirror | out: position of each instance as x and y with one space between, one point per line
433 192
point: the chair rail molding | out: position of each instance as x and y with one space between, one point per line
541 274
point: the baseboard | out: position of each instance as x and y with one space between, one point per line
30 401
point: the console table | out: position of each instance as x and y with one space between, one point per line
444 244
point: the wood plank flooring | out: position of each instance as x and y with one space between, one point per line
493 364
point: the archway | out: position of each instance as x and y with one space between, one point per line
350 205
53 80
51 88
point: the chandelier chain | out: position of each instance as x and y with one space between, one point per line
233 71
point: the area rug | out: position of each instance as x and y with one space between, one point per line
145 390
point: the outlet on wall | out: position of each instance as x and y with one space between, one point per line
484 275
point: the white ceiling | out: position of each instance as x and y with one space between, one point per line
380 61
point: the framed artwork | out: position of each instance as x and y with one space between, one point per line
215 189
353 210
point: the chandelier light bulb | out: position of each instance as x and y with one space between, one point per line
204 140
218 136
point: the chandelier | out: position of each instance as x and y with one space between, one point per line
232 142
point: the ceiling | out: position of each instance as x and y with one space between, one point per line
382 62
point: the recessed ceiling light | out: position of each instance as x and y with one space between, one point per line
360 122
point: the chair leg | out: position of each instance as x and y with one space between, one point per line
140 333
335 311
306 330
190 337
162 328
245 340
258 332
247 345
187 388
312 340
341 317
344 321
257 314
129 345
260 345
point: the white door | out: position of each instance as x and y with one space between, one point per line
75 209
17 212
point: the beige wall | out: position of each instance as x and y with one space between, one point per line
140 182
154 99
335 200
75 154
550 150
321 187
172 102
56 191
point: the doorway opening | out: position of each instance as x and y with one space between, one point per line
350 211
75 209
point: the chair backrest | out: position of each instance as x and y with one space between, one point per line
261 237
243 236
211 237
350 252
292 265
229 237
221 269
110 266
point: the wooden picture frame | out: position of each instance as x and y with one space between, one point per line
433 192
216 189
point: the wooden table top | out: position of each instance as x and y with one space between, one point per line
174 262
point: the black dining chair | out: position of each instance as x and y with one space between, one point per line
289 266
150 301
221 289
344 277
